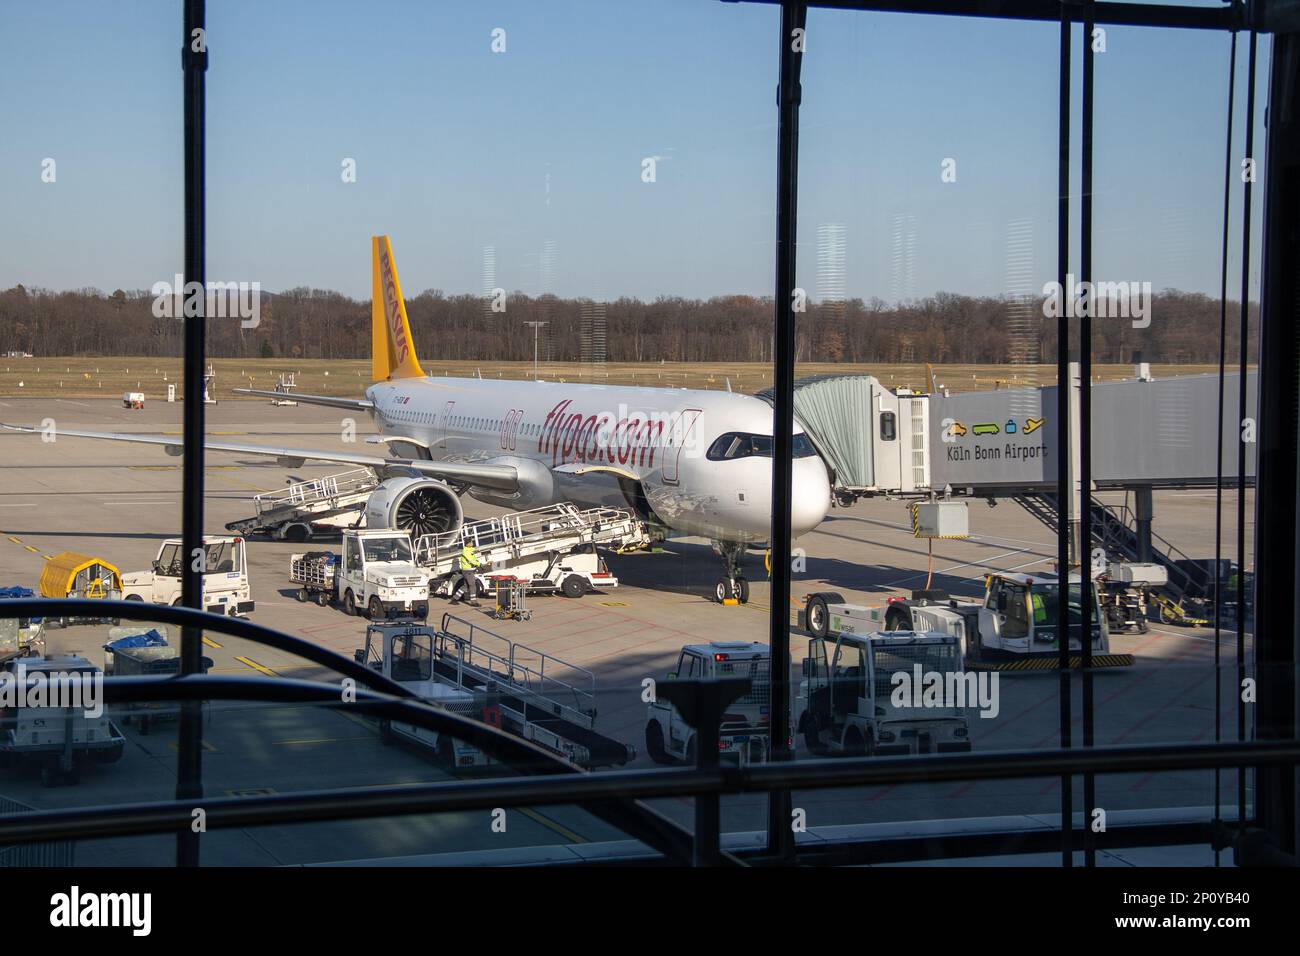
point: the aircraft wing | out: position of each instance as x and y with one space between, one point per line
355 404
501 477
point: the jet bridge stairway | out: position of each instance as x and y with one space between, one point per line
303 503
541 698
523 536
1111 530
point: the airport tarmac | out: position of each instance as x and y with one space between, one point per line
119 501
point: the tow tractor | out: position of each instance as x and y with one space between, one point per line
846 706
378 574
480 674
746 726
225 577
1014 627
61 739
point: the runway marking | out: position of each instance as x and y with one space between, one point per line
552 825
27 505
203 743
319 740
260 668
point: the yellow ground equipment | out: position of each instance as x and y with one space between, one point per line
73 575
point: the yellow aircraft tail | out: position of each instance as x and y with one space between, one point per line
392 350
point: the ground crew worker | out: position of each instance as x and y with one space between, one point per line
469 562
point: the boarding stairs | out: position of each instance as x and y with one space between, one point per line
1113 528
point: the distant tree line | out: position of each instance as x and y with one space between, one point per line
315 323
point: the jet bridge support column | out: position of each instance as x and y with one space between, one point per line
1144 510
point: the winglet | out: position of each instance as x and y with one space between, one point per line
392 350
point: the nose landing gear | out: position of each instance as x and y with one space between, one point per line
733 587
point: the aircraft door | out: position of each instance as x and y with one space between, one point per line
680 435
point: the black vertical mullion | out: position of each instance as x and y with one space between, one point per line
1243 351
780 836
1218 458
1085 435
189 769
1063 490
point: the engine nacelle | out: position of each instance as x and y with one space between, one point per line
418 505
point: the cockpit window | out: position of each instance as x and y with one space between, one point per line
745 445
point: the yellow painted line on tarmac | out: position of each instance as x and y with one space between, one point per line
206 746
552 825
260 668
210 642
319 740
15 540
31 549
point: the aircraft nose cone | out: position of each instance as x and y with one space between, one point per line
811 495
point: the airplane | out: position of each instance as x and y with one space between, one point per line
690 461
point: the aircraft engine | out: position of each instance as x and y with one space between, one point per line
418 505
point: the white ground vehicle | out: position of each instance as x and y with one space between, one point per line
846 700
377 574
404 653
480 674
573 575
303 508
1017 621
61 739
549 549
746 729
225 577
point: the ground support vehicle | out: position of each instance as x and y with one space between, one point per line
144 652
551 549
303 508
61 739
376 575
480 674
1014 627
847 705
73 575
226 587
746 728
1126 593
27 638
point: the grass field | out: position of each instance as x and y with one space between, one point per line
109 377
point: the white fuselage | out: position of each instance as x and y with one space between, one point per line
650 449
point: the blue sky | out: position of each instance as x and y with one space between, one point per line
537 152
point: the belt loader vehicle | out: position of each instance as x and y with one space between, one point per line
847 705
377 574
477 673
225 577
1016 623
547 550
746 729
61 739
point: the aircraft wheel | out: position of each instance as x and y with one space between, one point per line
722 590
742 590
